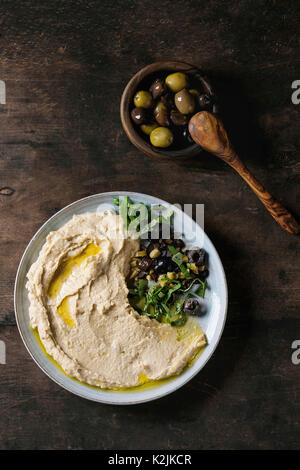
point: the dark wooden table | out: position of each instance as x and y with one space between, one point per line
65 65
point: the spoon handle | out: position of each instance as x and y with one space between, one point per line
208 131
282 216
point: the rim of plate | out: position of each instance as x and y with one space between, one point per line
129 397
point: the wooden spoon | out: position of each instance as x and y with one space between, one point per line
208 131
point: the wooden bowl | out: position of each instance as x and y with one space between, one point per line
143 143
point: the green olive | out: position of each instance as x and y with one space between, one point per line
148 128
184 102
159 107
143 99
176 81
161 137
194 92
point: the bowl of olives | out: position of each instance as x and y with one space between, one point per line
157 104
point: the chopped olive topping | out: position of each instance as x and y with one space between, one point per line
192 307
144 264
165 279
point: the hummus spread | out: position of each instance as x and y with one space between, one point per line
78 303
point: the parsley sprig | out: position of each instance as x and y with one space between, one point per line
164 303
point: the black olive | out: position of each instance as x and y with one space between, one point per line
197 256
193 275
202 257
139 115
144 264
192 307
162 117
178 119
179 243
203 274
162 243
167 100
176 268
173 266
157 88
152 246
186 283
204 101
193 256
145 243
187 136
162 265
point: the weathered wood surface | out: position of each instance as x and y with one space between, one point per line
65 65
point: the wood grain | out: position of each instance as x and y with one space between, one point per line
65 65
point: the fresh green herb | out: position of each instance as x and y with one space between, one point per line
177 317
172 290
201 289
142 287
177 258
172 249
164 303
138 303
136 216
160 304
132 291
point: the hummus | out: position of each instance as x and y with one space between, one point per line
79 305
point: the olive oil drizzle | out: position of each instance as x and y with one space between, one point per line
190 329
62 273
144 382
